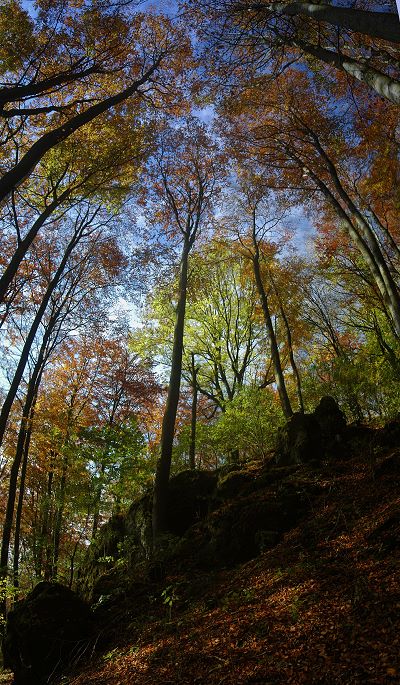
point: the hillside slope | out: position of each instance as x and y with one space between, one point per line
322 606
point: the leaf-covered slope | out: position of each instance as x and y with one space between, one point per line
321 607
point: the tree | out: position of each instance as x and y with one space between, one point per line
276 360
137 47
318 155
269 36
221 328
66 178
82 228
67 290
183 190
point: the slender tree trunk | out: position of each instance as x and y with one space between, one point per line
276 360
97 501
25 243
168 423
387 236
13 178
10 397
12 494
42 555
21 453
59 518
290 344
45 549
386 349
359 231
379 270
367 232
72 559
192 447
21 494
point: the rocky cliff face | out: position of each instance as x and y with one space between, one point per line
214 521
219 518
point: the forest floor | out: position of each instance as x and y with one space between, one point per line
322 607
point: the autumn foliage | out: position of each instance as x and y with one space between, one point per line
199 222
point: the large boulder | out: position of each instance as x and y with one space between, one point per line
389 435
253 524
331 420
108 542
309 438
299 441
45 633
233 483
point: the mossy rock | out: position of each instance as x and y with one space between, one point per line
389 435
359 439
272 474
45 632
107 583
330 418
233 484
138 530
109 540
129 537
195 548
102 554
332 423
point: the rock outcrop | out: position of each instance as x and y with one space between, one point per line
299 441
331 421
125 541
309 438
221 518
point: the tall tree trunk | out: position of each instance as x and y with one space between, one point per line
97 501
290 344
25 435
383 85
45 548
25 243
21 495
159 515
59 515
366 231
276 360
358 230
384 25
21 451
10 397
193 422
379 270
